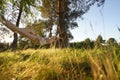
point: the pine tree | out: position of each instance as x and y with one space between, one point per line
64 13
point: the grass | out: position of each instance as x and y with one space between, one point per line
61 64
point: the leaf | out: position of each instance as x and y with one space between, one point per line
12 1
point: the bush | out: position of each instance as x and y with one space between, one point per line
4 46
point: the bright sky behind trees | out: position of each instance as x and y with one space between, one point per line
102 21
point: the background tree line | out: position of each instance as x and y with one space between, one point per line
99 42
86 44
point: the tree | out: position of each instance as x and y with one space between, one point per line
98 41
64 13
17 7
61 13
87 43
20 7
112 42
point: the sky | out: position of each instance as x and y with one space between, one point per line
103 21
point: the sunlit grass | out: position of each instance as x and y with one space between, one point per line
60 64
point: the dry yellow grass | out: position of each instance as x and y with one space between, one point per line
60 64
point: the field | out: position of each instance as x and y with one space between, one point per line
61 64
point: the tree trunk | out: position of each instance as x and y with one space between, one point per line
62 30
23 32
14 43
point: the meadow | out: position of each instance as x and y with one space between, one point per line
61 64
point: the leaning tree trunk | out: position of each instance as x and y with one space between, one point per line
28 33
62 30
14 43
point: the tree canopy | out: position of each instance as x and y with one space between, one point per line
98 41
64 13
112 42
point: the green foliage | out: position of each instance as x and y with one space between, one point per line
40 27
112 42
61 64
2 6
76 45
4 46
26 4
62 13
65 13
99 41
46 9
86 44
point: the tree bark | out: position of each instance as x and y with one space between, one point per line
14 43
62 30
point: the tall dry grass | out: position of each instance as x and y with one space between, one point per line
61 64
